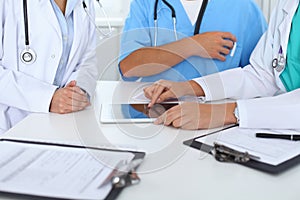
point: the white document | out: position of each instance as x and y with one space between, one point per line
55 171
271 151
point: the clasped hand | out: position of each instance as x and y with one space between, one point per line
70 98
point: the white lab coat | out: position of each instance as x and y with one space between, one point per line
278 109
29 88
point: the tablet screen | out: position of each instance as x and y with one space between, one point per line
112 113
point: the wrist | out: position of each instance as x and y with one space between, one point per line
231 113
196 89
192 46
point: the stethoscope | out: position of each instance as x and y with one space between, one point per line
279 63
198 22
28 55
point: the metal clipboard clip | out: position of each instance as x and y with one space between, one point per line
223 153
124 175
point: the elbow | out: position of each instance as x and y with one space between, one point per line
125 70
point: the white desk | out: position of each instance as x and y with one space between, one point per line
170 170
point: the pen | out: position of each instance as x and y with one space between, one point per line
279 136
233 50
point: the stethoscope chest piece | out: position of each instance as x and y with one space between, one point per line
28 56
279 63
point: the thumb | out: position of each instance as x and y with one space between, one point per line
71 84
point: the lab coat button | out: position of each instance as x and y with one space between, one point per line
53 56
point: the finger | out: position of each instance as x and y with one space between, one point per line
177 123
70 98
79 97
71 84
80 102
172 114
181 121
77 106
148 92
62 108
75 93
72 108
163 118
77 90
189 126
156 94
221 57
160 119
224 51
228 43
165 95
228 35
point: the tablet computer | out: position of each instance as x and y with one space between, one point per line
132 113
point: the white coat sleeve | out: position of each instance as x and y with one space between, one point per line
278 112
87 72
256 80
20 90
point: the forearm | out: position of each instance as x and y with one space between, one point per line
154 60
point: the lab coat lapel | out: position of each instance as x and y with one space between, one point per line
79 16
47 10
288 10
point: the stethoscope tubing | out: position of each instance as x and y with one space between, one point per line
25 13
28 55
108 34
174 19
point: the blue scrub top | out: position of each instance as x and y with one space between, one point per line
243 18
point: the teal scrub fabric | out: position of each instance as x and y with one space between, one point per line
290 77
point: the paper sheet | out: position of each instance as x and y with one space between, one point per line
54 171
272 151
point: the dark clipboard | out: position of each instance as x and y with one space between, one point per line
265 167
113 194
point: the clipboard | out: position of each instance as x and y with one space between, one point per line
223 153
125 181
